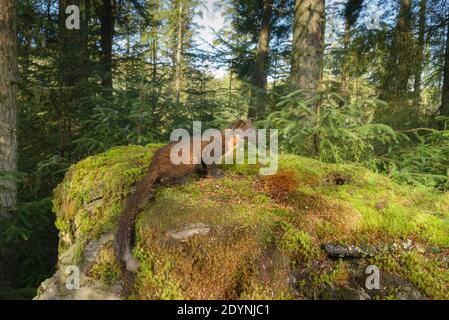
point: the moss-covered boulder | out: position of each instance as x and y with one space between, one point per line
246 236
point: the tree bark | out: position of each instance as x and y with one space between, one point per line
73 56
307 45
444 110
154 60
73 65
178 74
260 68
351 14
106 35
8 105
400 64
345 64
420 51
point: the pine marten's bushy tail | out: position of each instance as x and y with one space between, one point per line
125 230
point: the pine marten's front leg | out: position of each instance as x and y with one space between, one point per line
212 170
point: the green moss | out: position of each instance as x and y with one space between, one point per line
106 268
325 228
78 249
392 294
155 283
248 225
408 212
62 225
242 169
263 293
106 177
298 245
281 212
262 198
430 276
337 276
108 273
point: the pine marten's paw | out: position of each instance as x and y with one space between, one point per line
218 175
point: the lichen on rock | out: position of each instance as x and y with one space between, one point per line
249 237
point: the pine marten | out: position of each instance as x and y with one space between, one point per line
162 172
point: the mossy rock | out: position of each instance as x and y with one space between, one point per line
246 236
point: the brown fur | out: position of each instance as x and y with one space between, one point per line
162 172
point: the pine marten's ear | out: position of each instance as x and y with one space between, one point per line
236 124
241 124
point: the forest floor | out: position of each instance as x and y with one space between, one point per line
308 232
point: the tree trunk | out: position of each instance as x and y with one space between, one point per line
444 110
73 57
400 65
420 51
260 68
307 45
8 106
179 53
154 47
351 14
154 57
73 68
346 57
106 35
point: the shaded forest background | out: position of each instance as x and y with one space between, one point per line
351 80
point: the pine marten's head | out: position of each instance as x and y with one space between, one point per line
241 129
242 125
